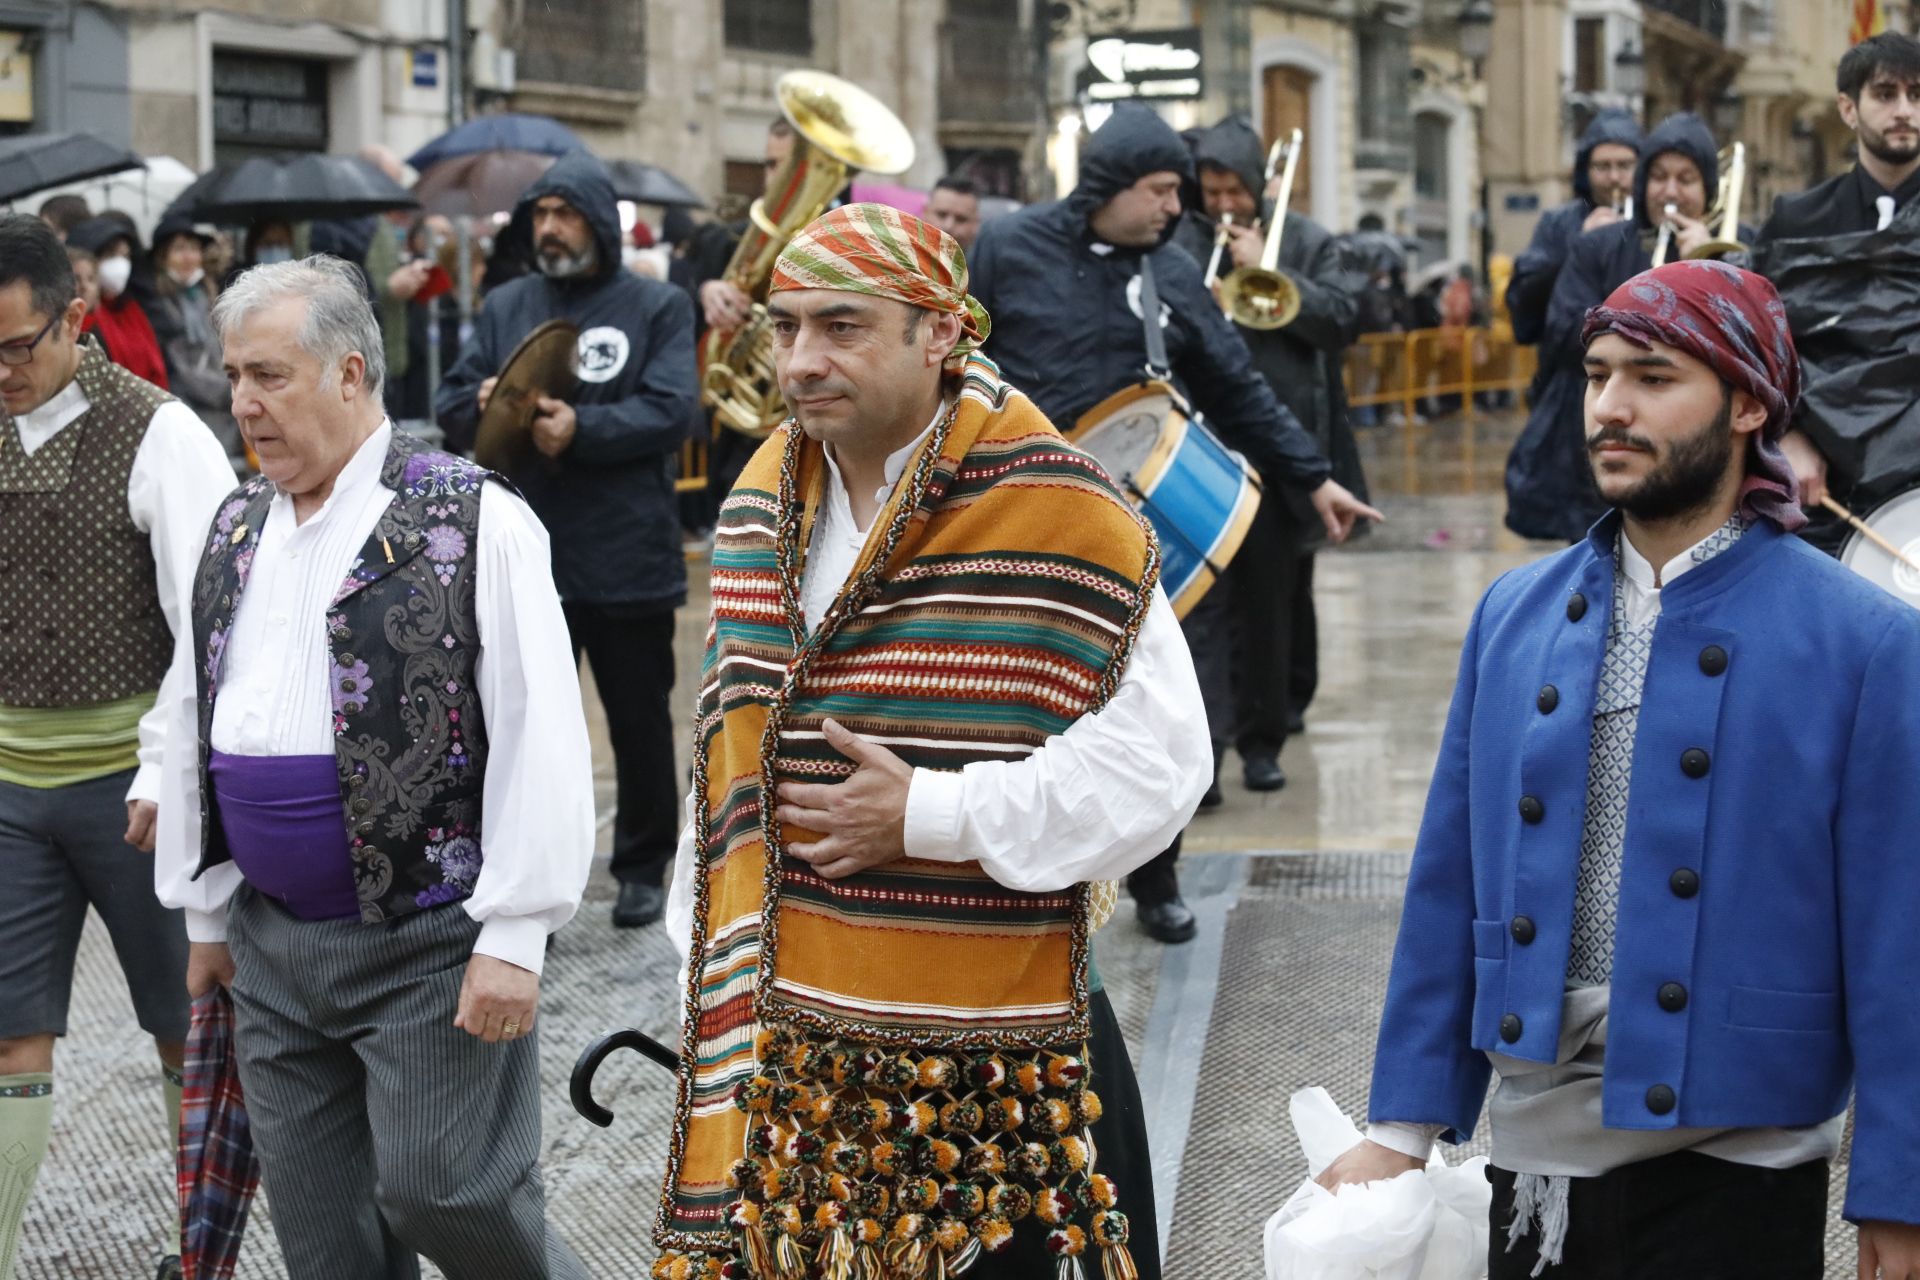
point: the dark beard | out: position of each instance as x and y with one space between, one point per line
1687 478
1882 150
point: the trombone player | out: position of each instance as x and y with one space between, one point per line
1677 199
1267 593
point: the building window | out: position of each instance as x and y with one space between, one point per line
770 26
585 42
1589 55
1431 135
1386 63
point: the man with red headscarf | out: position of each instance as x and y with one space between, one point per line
1664 888
945 698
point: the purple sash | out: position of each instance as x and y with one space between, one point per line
286 831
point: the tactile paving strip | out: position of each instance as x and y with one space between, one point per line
1301 984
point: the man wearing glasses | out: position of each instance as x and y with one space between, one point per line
107 485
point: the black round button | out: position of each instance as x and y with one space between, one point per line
1576 607
1694 762
1673 997
1685 882
1510 1028
1522 930
1660 1099
1531 810
1549 699
1713 660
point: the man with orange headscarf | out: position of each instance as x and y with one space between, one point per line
945 701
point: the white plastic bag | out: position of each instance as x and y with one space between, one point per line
1427 1224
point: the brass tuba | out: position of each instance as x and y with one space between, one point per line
841 128
1263 297
1726 210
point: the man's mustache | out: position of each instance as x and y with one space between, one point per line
1618 436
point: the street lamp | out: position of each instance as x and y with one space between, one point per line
1476 30
1629 71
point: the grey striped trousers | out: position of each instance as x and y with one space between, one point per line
384 1130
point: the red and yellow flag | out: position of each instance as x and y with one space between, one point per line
1869 20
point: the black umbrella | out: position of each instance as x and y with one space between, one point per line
187 203
35 161
479 183
303 189
644 183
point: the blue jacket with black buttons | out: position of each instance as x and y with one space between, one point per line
1771 882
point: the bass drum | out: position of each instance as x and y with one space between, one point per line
1898 521
1198 495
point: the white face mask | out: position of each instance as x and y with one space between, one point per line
114 274
192 278
274 253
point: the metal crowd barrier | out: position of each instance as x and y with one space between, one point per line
1402 369
693 467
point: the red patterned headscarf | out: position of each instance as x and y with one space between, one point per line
1734 322
876 249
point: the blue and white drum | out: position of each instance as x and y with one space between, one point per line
1198 495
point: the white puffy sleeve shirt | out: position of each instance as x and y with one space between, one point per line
537 814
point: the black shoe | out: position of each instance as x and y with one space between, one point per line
1263 773
1296 725
640 903
1170 921
1212 798
169 1268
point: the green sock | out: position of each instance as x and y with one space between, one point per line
171 1085
26 1117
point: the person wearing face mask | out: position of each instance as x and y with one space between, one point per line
1550 492
119 323
183 322
603 483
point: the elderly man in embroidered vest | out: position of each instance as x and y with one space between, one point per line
378 805
1665 886
106 485
943 696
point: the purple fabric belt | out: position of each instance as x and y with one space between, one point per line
286 832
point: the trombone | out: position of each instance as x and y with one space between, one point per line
1262 297
1732 186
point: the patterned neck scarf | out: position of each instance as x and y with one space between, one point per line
876 249
1734 322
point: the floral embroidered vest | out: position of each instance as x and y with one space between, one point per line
402 636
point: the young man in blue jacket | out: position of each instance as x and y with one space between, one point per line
1665 886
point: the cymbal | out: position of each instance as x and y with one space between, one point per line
546 363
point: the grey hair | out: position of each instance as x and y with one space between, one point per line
340 320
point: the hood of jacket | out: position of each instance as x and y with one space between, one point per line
1234 146
1133 143
95 234
1611 125
1688 135
583 182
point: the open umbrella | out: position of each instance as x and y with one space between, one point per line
508 131
35 161
481 183
302 189
218 1170
644 183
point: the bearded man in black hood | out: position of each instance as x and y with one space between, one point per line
1063 282
604 486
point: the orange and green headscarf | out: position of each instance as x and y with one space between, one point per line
876 249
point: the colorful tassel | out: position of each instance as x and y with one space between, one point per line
1116 1263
